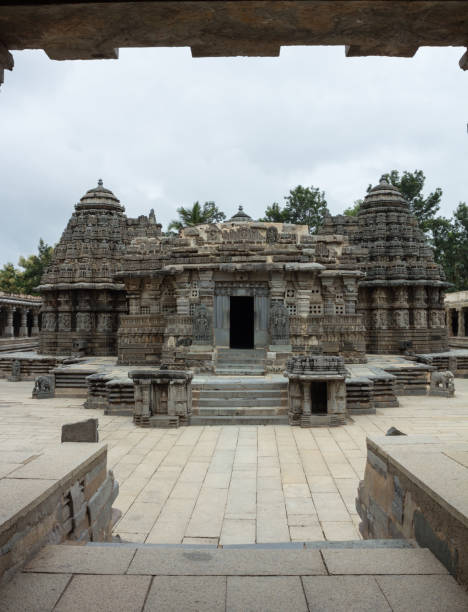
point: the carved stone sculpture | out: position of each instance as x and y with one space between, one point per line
43 387
279 323
442 383
201 325
15 371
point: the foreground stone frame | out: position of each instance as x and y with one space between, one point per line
96 30
416 487
62 494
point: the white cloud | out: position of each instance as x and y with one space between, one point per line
164 130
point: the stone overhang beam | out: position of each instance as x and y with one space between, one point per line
96 30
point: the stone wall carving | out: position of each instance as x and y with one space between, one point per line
84 322
279 323
202 326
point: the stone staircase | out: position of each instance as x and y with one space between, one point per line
294 576
241 362
244 401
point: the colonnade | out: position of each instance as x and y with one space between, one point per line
19 316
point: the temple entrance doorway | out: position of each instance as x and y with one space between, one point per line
318 397
241 322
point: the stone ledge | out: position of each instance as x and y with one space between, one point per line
46 499
417 487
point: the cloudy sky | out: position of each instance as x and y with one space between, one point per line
163 130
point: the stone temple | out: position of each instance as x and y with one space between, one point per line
119 286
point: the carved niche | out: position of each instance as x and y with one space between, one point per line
104 322
83 321
64 321
49 321
279 323
201 325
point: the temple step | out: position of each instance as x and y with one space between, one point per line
237 371
239 420
242 411
250 401
241 362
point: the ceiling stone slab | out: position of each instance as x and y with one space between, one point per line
71 30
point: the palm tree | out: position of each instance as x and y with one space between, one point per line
197 215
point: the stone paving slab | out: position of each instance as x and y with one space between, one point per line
387 561
272 593
82 560
32 592
70 579
423 593
188 593
228 562
105 593
347 593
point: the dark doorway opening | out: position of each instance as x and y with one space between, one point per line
454 314
241 324
318 397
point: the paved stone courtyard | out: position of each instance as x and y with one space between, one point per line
231 484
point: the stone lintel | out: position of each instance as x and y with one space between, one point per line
388 49
61 53
236 48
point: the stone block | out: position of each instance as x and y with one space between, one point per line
423 593
82 560
272 593
190 593
83 431
31 592
359 593
116 593
385 561
229 562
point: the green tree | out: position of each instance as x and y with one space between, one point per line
304 206
34 266
411 185
10 279
197 215
451 246
353 211
13 280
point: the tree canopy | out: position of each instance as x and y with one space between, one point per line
411 185
14 280
304 206
197 215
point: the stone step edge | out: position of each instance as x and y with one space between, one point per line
319 544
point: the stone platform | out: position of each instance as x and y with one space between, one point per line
62 492
417 487
123 578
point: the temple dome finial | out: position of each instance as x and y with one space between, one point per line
100 183
241 216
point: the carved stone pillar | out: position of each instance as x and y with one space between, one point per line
328 296
277 286
206 287
350 295
303 295
183 294
307 405
23 330
461 322
9 329
35 327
